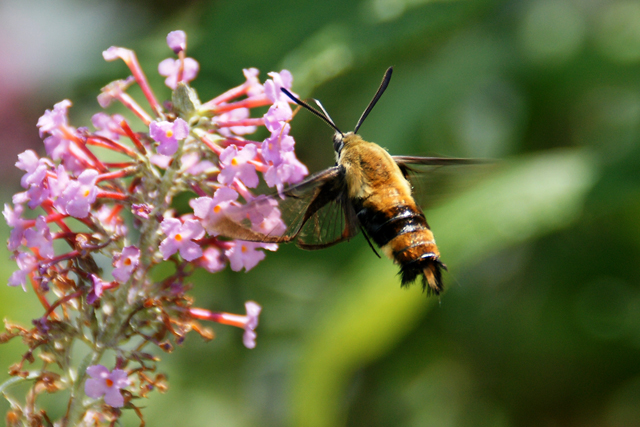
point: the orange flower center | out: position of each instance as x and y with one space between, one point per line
234 161
217 209
109 382
169 133
243 248
86 193
178 237
127 261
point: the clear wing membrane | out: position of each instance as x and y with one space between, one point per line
435 178
314 213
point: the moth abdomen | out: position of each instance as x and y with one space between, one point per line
429 266
402 232
417 254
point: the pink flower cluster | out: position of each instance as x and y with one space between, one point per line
72 181
84 202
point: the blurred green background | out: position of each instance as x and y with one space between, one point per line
540 325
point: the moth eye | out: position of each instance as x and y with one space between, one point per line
338 143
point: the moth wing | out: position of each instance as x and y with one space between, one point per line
333 222
314 213
435 178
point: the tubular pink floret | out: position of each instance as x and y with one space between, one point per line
116 90
245 122
244 89
133 137
248 322
101 141
129 57
258 101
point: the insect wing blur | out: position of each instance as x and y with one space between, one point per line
368 190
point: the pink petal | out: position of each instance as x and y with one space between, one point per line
177 41
192 229
97 371
170 226
95 388
190 251
180 129
113 397
168 247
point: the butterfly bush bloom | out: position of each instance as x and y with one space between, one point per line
248 322
125 263
180 238
107 384
168 134
90 207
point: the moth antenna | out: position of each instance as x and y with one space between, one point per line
381 89
323 110
324 116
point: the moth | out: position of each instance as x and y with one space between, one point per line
366 190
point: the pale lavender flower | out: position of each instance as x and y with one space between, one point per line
60 148
191 163
97 287
177 41
29 162
52 119
115 89
209 209
266 218
124 263
170 68
235 164
17 223
26 264
246 254
180 238
141 209
290 171
213 260
253 311
160 160
78 196
107 384
248 322
58 183
277 115
58 144
272 88
111 54
34 180
276 144
108 126
40 237
38 192
254 87
168 134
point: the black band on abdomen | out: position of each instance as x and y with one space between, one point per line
383 226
